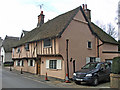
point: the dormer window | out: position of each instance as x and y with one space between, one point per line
47 43
27 47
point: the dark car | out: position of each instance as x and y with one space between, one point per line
93 73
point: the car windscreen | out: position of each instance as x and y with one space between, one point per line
91 66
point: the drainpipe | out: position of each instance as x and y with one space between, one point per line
67 57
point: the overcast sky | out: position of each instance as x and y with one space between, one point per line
18 15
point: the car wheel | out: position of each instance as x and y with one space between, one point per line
77 82
95 81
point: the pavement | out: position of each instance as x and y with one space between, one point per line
57 82
0 76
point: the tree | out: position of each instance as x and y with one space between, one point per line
103 27
111 30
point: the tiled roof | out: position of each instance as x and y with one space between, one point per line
52 28
103 36
25 32
55 27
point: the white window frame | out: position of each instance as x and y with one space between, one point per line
16 62
45 41
98 59
52 64
18 50
88 45
21 63
27 46
87 60
58 64
47 64
33 63
13 50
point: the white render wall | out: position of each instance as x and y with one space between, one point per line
8 57
3 54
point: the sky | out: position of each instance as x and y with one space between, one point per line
18 15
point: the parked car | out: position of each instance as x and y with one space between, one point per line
93 73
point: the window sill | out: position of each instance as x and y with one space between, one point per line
89 48
48 47
18 52
27 50
53 69
19 66
31 66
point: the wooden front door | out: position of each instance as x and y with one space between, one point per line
38 67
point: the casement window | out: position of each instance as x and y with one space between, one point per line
92 59
18 50
31 62
47 43
21 63
53 64
89 45
27 47
13 50
18 63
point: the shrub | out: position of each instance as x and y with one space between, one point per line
116 65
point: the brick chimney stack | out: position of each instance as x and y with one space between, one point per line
87 11
40 19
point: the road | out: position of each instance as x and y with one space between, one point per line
0 76
12 80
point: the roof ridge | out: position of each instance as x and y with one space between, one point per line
52 28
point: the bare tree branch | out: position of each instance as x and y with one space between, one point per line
109 29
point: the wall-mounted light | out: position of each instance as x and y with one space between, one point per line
70 59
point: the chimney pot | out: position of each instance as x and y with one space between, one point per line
87 11
86 6
41 12
83 6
